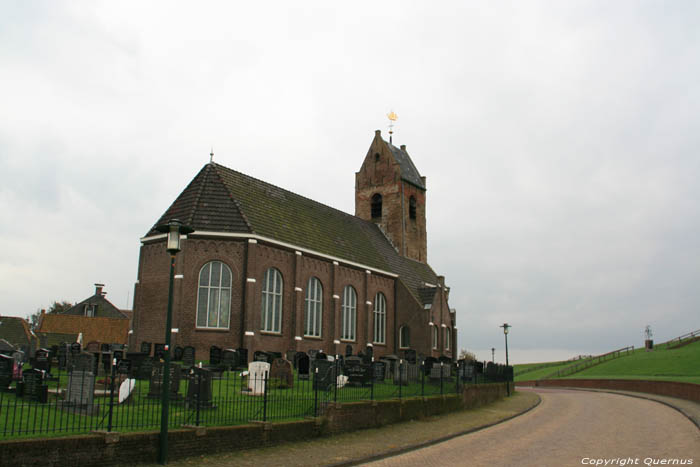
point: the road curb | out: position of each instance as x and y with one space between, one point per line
424 444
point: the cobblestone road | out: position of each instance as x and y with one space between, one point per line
572 428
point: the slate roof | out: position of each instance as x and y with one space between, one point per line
220 199
104 330
15 330
105 308
409 172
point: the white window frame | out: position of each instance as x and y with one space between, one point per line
447 338
379 318
272 301
313 309
348 316
402 343
219 312
435 337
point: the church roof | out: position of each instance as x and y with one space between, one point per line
409 172
220 199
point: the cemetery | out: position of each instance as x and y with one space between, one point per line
71 390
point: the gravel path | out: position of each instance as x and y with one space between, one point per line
572 428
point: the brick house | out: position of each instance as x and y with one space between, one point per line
267 269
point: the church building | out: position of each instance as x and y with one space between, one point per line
268 269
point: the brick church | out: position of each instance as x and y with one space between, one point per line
267 269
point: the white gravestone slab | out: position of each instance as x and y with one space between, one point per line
125 389
256 377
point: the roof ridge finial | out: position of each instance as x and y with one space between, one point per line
392 118
211 155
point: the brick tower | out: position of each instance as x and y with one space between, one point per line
390 192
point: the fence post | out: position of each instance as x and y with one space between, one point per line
441 365
315 383
335 386
422 379
198 396
111 396
400 379
457 381
265 381
371 380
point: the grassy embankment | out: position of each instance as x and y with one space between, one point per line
662 364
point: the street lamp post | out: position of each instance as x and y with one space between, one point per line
174 228
505 327
493 354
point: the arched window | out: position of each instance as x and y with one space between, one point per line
314 308
380 319
404 337
377 206
435 337
447 338
214 296
412 207
348 317
272 301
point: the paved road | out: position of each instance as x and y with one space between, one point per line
571 428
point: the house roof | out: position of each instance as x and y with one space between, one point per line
104 330
15 330
105 308
220 199
409 172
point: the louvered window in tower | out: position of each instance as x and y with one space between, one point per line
377 206
412 208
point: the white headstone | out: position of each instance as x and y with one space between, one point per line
256 377
125 389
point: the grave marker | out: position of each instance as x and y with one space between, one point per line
257 372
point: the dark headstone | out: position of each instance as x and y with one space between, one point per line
75 348
369 354
118 354
188 356
159 351
348 350
312 353
156 382
34 387
42 361
242 357
378 371
146 348
199 388
229 359
281 370
137 359
124 366
177 356
105 348
92 346
106 362
273 355
358 372
410 356
6 371
428 364
324 377
215 355
321 355
290 357
261 356
62 356
303 368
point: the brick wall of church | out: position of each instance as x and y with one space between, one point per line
248 272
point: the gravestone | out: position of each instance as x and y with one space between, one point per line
124 367
406 373
439 371
428 364
188 357
146 348
136 359
392 361
92 346
105 348
81 387
6 370
281 370
378 371
118 354
479 367
290 357
324 376
62 356
348 350
303 362
34 387
214 355
410 356
242 357
156 383
273 355
199 388
257 372
42 361
177 356
159 351
146 368
106 362
75 348
358 372
229 359
312 353
321 355
261 356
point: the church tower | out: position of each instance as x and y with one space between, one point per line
390 192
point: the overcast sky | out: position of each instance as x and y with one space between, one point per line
560 143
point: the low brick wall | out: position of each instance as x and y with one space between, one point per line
688 391
105 449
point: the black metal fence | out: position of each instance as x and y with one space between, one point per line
41 404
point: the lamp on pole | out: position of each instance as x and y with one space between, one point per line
493 354
505 327
174 228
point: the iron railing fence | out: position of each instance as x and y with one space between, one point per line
62 403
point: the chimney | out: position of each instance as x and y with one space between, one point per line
377 132
403 147
441 281
98 289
